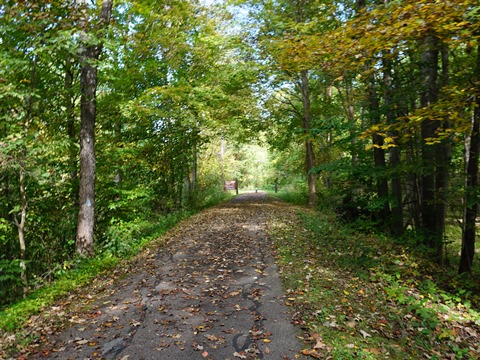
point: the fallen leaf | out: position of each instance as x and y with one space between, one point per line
319 345
365 334
312 353
351 324
241 356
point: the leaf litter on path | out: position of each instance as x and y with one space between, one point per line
211 291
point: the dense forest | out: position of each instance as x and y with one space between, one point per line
115 114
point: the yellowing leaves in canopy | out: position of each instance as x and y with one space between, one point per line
391 28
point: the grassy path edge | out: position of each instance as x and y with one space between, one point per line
361 296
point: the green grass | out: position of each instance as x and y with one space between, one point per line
297 198
15 316
364 296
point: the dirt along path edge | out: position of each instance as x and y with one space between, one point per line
212 292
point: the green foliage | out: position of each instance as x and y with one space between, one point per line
10 280
291 196
84 272
163 102
124 238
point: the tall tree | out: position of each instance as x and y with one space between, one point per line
309 149
89 54
471 192
434 157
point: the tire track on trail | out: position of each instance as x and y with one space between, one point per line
212 292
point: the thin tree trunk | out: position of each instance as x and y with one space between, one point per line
309 150
88 80
23 195
188 188
118 166
442 177
396 226
378 153
471 198
21 232
194 168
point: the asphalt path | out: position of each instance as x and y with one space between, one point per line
212 292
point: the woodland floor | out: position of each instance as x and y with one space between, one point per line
211 289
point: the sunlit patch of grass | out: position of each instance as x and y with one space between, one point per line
298 198
364 296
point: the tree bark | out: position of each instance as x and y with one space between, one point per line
396 225
471 197
21 232
118 166
429 95
309 150
194 168
442 165
88 80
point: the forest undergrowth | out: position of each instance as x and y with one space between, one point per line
364 296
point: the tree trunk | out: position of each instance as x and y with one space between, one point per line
118 165
309 150
21 232
396 225
23 195
86 215
471 198
378 153
430 210
88 80
194 168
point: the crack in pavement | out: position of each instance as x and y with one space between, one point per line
212 292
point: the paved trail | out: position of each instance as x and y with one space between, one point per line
213 292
